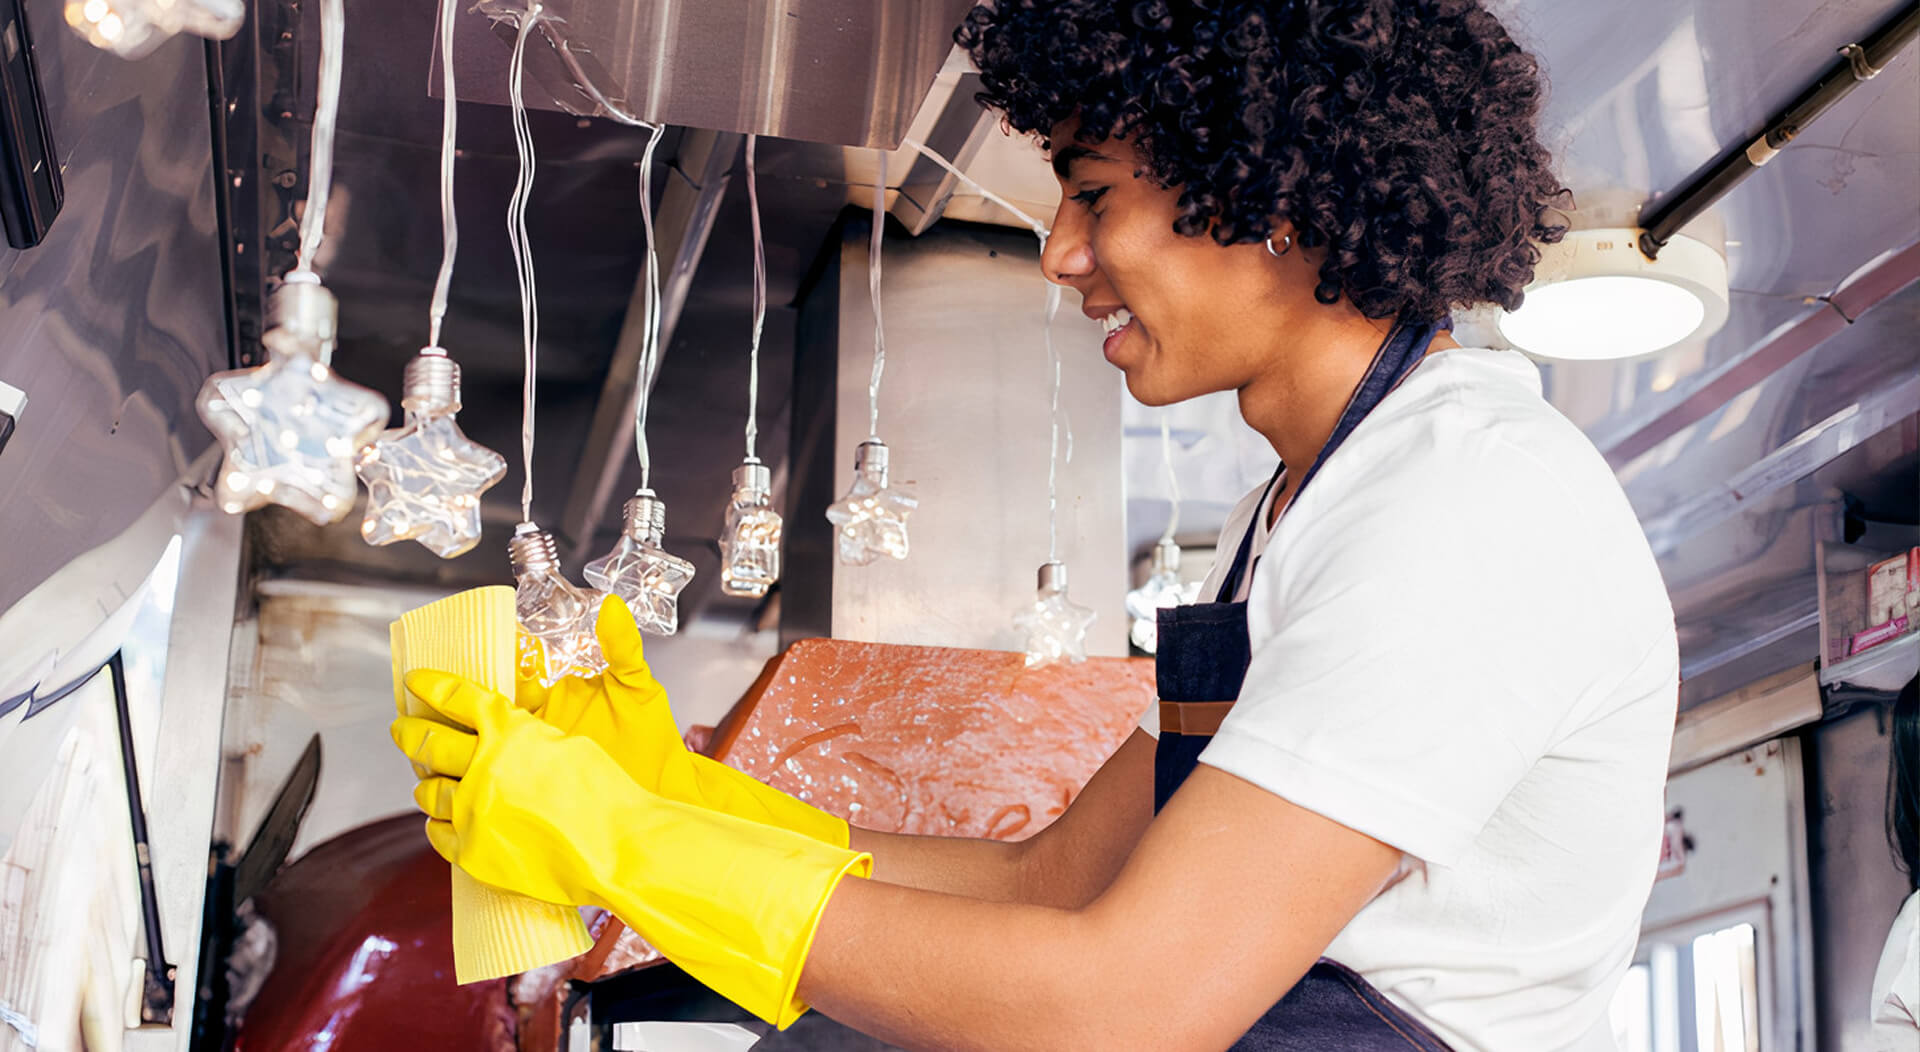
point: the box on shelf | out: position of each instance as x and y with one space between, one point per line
1893 601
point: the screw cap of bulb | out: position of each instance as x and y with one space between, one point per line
753 477
431 383
1166 556
1053 578
645 518
870 460
532 550
302 309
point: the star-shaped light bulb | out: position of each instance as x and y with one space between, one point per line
557 617
750 548
1056 626
424 478
642 573
871 520
132 28
291 428
1161 589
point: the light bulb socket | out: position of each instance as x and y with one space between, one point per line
431 384
303 311
1053 578
753 479
1166 557
532 550
870 460
645 518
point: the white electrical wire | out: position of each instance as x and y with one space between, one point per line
523 252
1056 419
759 303
649 315
873 291
326 115
1173 478
926 151
450 229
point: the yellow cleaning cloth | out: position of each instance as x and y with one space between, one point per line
494 933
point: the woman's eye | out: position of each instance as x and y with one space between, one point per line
1089 197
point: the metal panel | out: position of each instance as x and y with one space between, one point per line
832 71
181 786
964 408
1745 818
108 326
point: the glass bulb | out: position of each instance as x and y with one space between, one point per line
424 479
871 520
557 617
133 28
291 428
643 574
1161 589
750 548
1056 626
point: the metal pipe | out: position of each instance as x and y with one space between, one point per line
1857 63
156 999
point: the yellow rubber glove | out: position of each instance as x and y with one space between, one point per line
526 808
625 712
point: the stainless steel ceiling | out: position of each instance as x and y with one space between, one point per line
1644 92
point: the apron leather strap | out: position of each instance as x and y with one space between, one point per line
1193 717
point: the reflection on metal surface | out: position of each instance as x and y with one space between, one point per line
1798 458
111 323
1710 389
830 71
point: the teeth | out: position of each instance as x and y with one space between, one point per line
1116 321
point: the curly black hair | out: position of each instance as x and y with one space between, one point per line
1402 135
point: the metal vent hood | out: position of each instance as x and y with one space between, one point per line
845 72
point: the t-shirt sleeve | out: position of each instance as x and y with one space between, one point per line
1417 648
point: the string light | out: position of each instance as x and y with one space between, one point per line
556 616
871 520
424 479
639 569
1162 587
290 429
750 547
1055 626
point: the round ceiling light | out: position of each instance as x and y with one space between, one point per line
1594 296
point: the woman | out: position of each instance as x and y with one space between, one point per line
1895 1008
1431 818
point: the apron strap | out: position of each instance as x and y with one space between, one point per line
1403 349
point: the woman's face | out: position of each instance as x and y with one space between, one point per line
1198 317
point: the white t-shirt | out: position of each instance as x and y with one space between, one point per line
1896 983
1462 646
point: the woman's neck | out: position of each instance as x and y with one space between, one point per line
1316 365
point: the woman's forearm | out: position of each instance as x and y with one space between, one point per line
1068 864
941 972
978 869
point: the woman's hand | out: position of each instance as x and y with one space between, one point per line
527 809
625 712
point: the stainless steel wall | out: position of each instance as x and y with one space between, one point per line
109 326
964 409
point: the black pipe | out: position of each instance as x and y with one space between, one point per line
1857 63
156 1000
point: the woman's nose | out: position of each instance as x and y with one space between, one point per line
1067 258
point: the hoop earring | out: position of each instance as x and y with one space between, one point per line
1285 247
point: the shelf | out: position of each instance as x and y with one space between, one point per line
1886 667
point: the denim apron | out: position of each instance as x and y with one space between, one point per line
1200 666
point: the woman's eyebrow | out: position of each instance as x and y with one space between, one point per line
1066 157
